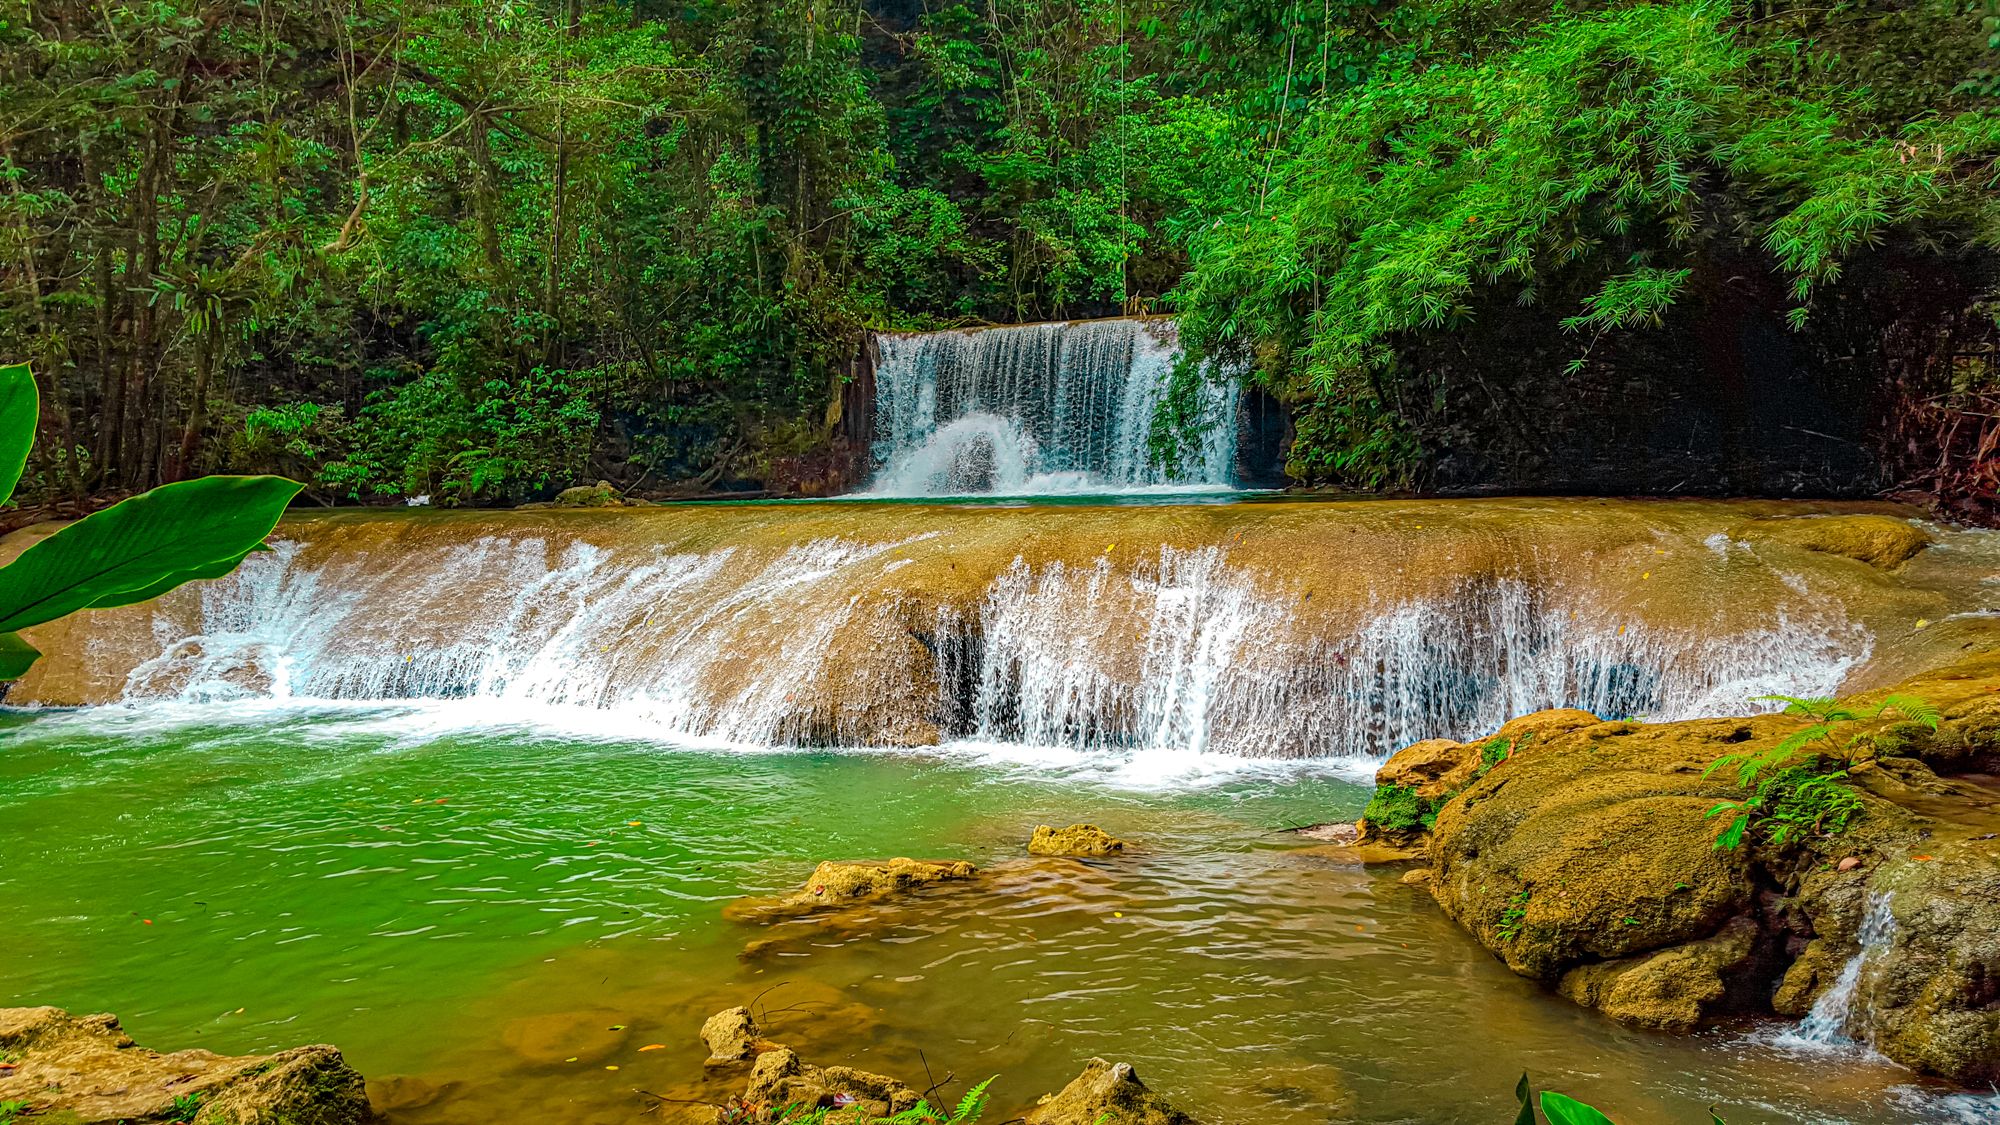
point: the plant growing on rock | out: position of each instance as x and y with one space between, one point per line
131 552
1801 797
1397 810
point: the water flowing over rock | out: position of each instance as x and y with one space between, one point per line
1277 630
1041 408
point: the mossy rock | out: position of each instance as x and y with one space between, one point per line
1880 541
1075 840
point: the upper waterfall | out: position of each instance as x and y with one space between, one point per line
1040 408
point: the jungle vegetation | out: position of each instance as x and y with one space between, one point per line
485 249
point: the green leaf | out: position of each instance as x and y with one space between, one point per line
1564 1110
20 409
16 656
142 547
217 569
1527 1095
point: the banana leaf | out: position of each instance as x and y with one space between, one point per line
142 547
19 411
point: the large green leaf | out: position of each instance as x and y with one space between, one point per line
16 656
142 547
1562 1109
20 409
215 569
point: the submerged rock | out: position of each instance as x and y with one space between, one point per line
84 1070
836 884
1104 1094
1077 839
781 1078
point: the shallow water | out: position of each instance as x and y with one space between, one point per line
475 899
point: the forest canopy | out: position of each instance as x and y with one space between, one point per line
485 249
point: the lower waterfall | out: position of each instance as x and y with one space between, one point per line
1267 631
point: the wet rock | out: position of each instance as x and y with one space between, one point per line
1521 734
1105 1093
732 1037
781 1078
599 495
1677 989
1339 832
1593 848
836 884
1077 839
1879 541
84 1070
1933 996
1433 769
1416 877
396 1092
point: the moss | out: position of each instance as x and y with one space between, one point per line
1396 810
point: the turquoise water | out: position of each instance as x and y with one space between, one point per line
465 906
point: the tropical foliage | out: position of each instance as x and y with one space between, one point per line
1796 786
131 552
484 249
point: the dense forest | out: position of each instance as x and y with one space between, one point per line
485 249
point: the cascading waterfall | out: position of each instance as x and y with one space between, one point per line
1040 408
1839 1017
1217 668
835 640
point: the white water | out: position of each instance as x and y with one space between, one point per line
1039 409
1182 660
1839 1018
1218 667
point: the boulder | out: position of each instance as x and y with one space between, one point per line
1433 769
1597 847
836 884
1077 839
732 1037
1933 995
1105 1094
1676 989
1880 541
85 1070
599 495
781 1079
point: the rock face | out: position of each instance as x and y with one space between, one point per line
782 1079
1586 859
836 884
1932 997
1106 1094
1077 839
85 1070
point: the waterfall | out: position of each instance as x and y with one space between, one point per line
1839 1018
1038 409
1189 657
1197 632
